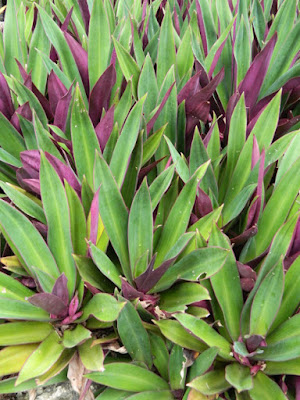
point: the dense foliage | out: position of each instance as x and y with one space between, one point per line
149 212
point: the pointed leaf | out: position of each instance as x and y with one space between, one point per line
91 356
266 388
239 377
211 383
103 307
131 378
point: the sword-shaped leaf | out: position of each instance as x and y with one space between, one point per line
84 139
179 216
265 388
126 143
113 213
20 310
133 335
26 242
58 217
12 358
42 358
129 377
211 383
267 301
13 333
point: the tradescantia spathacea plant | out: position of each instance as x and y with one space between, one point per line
149 158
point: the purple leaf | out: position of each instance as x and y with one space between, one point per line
60 289
94 218
81 59
155 116
284 125
62 109
105 127
203 204
84 8
246 235
199 110
129 292
208 135
204 94
56 90
150 277
201 27
247 284
216 58
295 241
67 20
42 228
100 94
73 306
253 342
31 159
190 88
64 172
176 22
255 75
25 111
230 107
6 105
29 184
145 171
245 271
50 303
255 153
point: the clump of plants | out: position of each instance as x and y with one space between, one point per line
149 212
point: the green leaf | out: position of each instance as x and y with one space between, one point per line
113 394
73 337
13 333
267 301
84 139
265 388
147 84
233 208
9 385
160 355
200 263
12 358
179 216
26 95
198 156
167 115
166 56
57 213
175 332
113 213
203 362
42 358
182 294
13 38
236 136
290 367
92 357
99 42
279 248
283 350
242 50
273 216
179 161
105 265
212 382
56 37
26 242
91 274
39 41
126 143
133 335
23 201
160 185
185 57
291 295
239 377
103 307
10 139
77 221
151 144
56 368
177 368
129 377
15 309
43 138
153 395
205 333
128 66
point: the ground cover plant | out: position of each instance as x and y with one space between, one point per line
149 212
